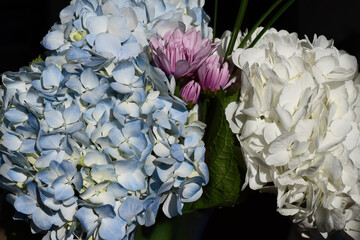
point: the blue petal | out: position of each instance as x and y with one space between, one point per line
103 172
117 190
192 140
44 160
133 181
10 141
116 136
139 142
88 79
67 168
74 84
41 219
117 28
130 208
53 40
124 72
191 192
170 206
179 114
177 152
165 171
97 24
78 181
111 229
25 204
28 146
125 147
17 116
161 118
107 43
75 127
120 88
152 207
33 121
95 157
47 176
184 170
87 217
95 95
17 175
68 212
48 199
51 77
199 153
54 118
76 54
132 49
105 211
204 171
132 128
51 141
72 114
129 108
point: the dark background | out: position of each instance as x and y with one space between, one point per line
23 24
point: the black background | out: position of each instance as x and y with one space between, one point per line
24 23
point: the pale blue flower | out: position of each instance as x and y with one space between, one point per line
49 82
125 79
62 177
94 134
103 219
41 216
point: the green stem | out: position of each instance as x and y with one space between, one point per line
205 106
271 22
215 19
237 27
257 24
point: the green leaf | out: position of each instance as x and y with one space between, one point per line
271 21
223 188
237 27
257 24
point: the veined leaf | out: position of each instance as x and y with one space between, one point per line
224 186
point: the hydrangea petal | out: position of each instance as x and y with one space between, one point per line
130 208
53 40
10 141
16 116
111 229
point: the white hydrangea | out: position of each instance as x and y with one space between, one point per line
298 123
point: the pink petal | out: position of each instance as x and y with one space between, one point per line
181 68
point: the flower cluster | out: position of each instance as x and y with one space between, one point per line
188 56
93 139
298 125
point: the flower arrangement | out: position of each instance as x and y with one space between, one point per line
137 110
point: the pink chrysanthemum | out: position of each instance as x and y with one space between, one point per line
213 75
190 92
181 54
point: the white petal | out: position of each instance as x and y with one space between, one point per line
229 113
279 158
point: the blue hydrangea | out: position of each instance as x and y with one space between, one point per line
119 30
93 140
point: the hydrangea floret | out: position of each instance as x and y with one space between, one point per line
297 121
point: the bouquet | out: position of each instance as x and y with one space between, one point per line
138 110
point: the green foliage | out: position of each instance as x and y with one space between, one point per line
223 188
38 59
